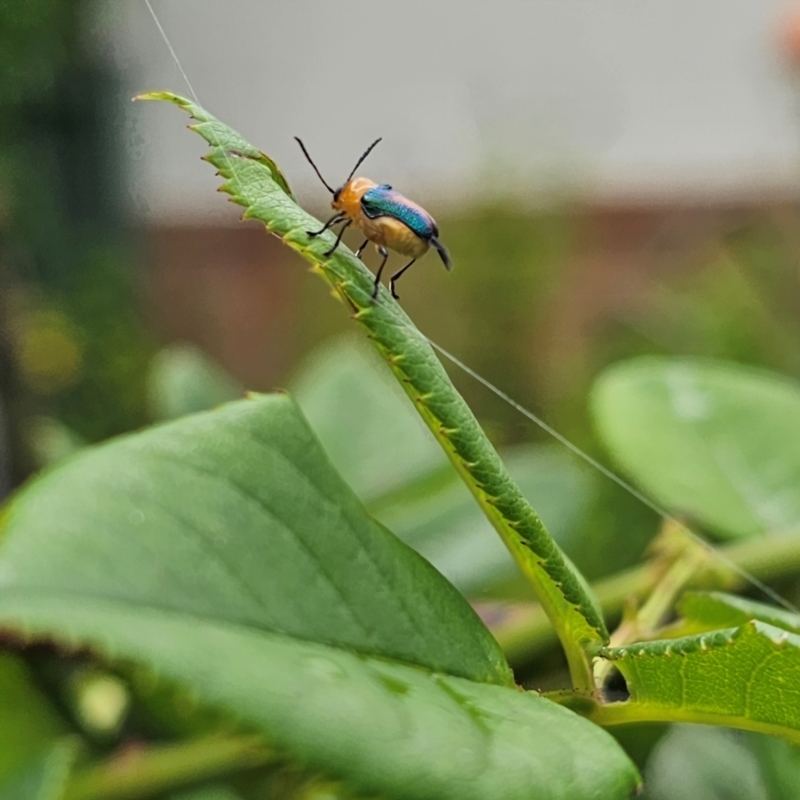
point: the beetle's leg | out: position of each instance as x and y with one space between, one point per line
393 280
337 217
385 253
338 238
361 249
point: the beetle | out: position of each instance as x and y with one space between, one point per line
386 218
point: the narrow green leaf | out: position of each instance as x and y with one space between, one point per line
746 677
236 515
714 441
251 184
384 728
212 130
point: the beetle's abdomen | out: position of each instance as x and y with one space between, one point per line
383 201
395 235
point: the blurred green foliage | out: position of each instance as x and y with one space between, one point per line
72 344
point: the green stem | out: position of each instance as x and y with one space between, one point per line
660 601
525 632
157 770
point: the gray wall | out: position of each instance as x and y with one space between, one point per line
612 100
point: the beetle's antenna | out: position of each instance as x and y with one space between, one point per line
311 161
360 160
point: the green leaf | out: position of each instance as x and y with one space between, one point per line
714 441
364 421
779 763
701 763
28 723
183 379
560 590
746 677
707 611
236 515
385 728
215 792
43 779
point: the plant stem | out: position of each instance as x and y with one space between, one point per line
155 770
525 631
687 556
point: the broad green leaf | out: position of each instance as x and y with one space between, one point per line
707 611
714 441
365 423
746 677
386 729
236 515
408 353
28 724
43 779
440 520
183 379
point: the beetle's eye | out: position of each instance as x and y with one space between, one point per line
337 193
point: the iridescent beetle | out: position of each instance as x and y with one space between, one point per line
386 218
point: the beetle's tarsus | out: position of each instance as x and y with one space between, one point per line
338 239
393 280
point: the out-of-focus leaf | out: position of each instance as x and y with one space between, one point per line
364 421
701 763
236 515
43 779
746 677
50 440
779 763
708 611
439 518
151 770
215 792
183 379
717 764
717 442
29 726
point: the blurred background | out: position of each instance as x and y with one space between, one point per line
612 179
